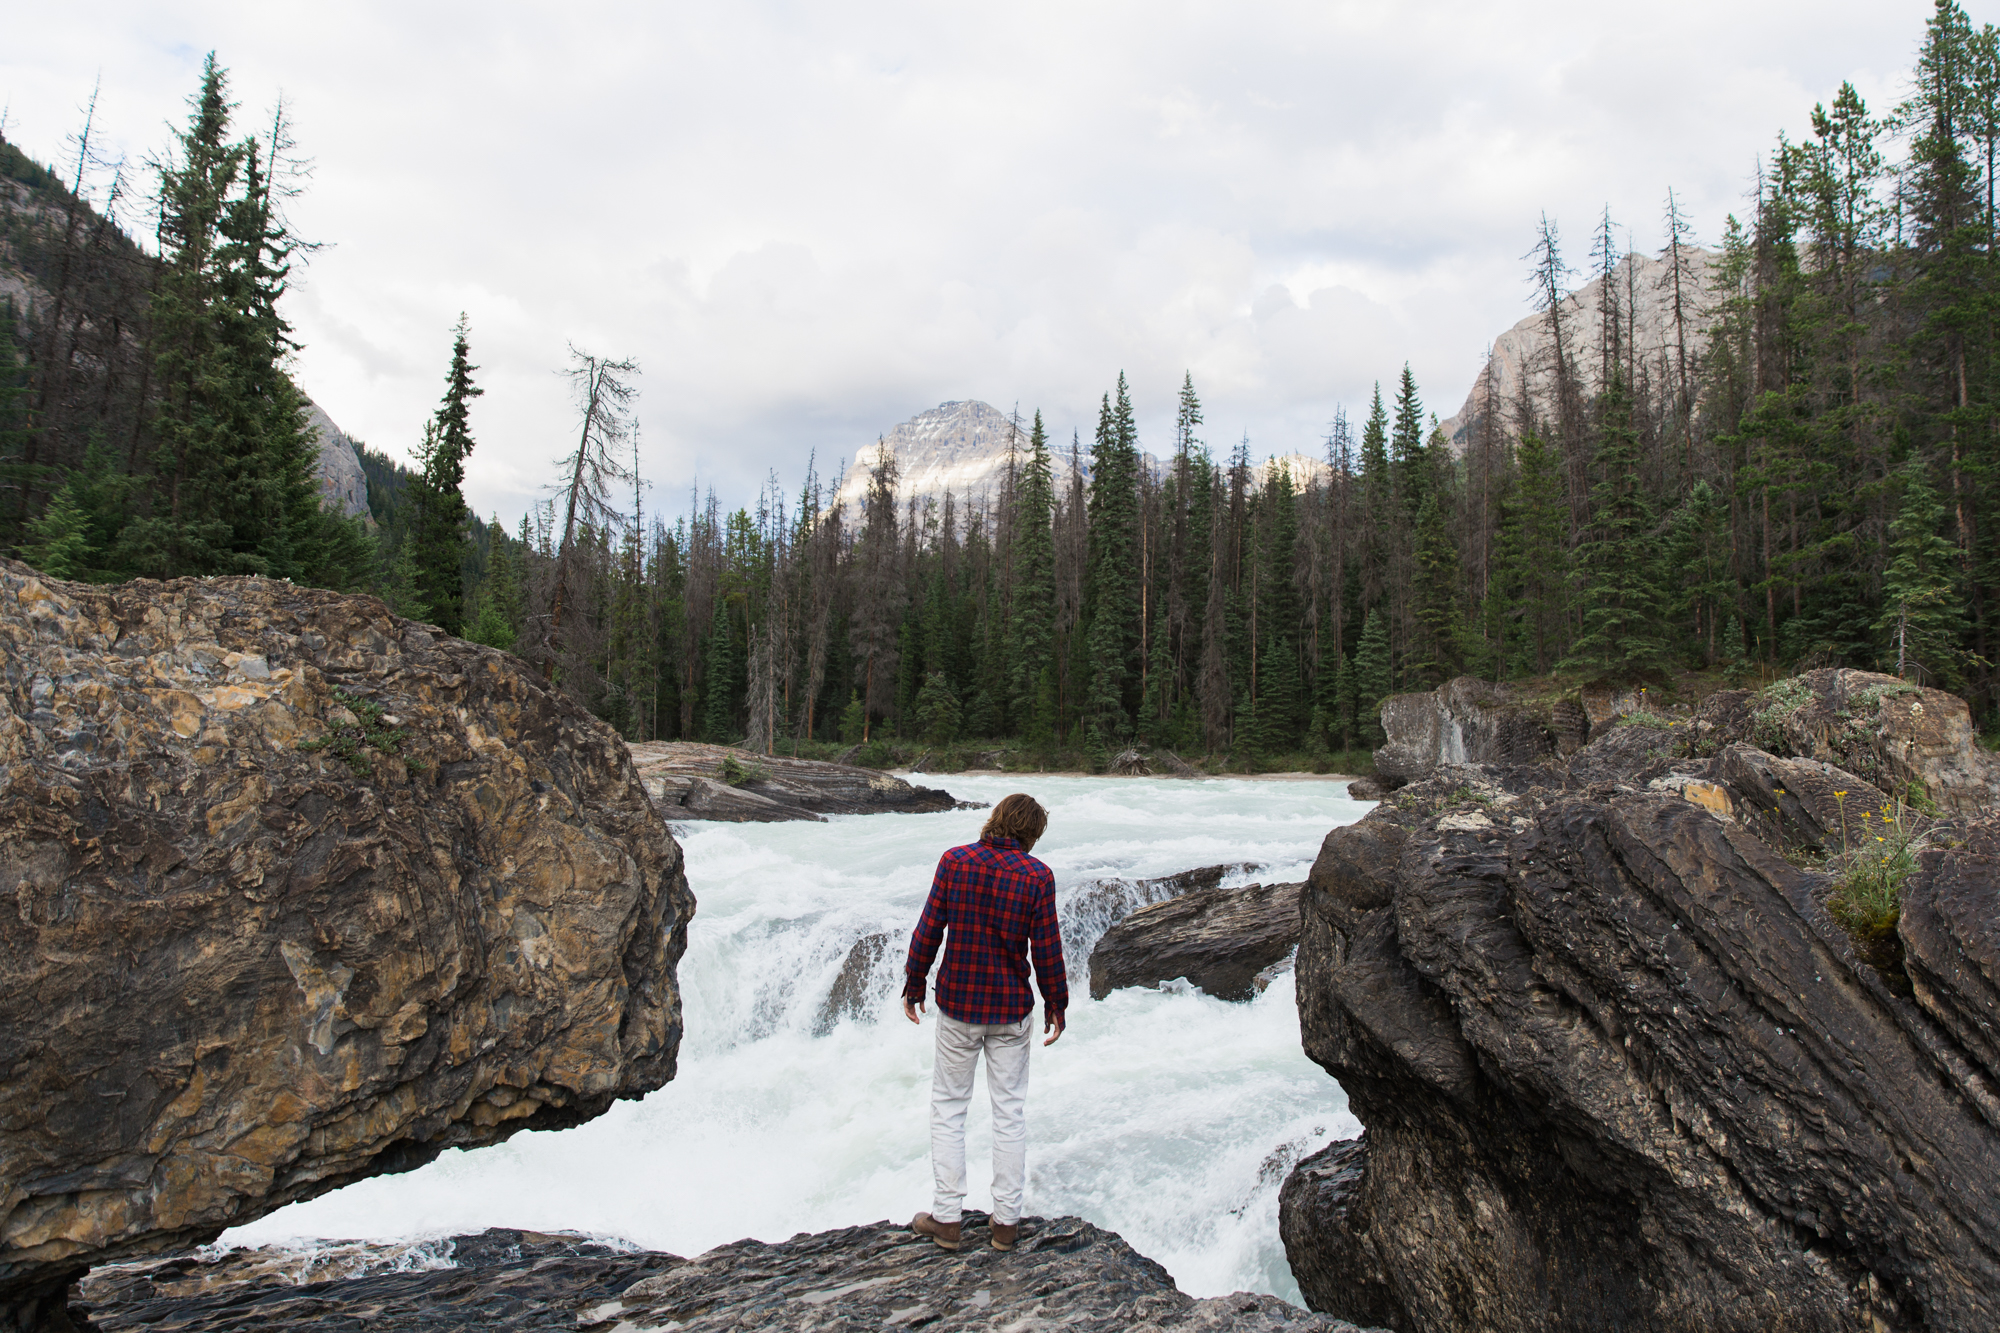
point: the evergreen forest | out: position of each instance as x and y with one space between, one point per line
1808 476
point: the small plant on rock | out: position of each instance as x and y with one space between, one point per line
1877 857
350 742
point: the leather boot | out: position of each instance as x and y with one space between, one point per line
944 1233
1005 1234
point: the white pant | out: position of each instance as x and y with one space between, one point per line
958 1047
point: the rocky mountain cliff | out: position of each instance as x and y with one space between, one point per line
1619 1064
1523 364
297 892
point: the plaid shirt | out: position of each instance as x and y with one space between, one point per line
998 901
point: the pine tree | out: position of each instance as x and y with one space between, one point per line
438 523
403 592
1034 573
1372 677
1412 470
718 693
1279 699
938 714
1533 557
1618 563
59 539
236 492
1922 613
17 475
1113 568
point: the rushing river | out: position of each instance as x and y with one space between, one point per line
1166 1116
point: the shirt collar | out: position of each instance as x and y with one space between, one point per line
995 840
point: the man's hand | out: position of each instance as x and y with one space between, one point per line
911 1008
1052 1023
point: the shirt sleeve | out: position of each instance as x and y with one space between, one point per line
1045 938
926 938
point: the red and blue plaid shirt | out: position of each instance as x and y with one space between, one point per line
999 902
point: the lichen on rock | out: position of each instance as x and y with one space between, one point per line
240 967
1620 1068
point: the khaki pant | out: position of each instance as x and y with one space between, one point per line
958 1047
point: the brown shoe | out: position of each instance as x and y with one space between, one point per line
1005 1234
944 1233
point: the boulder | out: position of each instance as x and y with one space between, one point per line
849 995
1619 1068
1221 940
1905 739
1063 1271
1095 906
302 892
1463 721
689 780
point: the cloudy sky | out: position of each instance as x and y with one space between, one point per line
809 221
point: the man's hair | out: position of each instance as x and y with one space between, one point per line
1019 817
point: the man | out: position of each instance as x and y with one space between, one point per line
999 905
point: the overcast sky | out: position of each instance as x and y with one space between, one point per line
808 222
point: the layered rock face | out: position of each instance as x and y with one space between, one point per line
1463 721
1064 1273
689 780
301 893
1620 1068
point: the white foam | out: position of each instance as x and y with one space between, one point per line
1167 1116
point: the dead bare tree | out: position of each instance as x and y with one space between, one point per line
604 396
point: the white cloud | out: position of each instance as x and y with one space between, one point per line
808 222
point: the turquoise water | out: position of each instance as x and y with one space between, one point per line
1166 1116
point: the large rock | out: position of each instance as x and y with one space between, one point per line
1223 941
301 893
689 780
1064 1273
1463 721
1905 739
1619 1068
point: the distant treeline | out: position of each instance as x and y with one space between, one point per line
1809 479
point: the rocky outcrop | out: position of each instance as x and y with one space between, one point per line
1463 721
1522 367
688 780
1064 1272
301 892
343 485
1223 941
1618 1066
1889 731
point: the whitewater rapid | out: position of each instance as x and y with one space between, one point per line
1166 1116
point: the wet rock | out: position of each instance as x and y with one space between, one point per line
694 781
1064 1271
1221 940
1089 909
1322 1199
1372 788
852 990
1463 721
1620 1069
302 892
